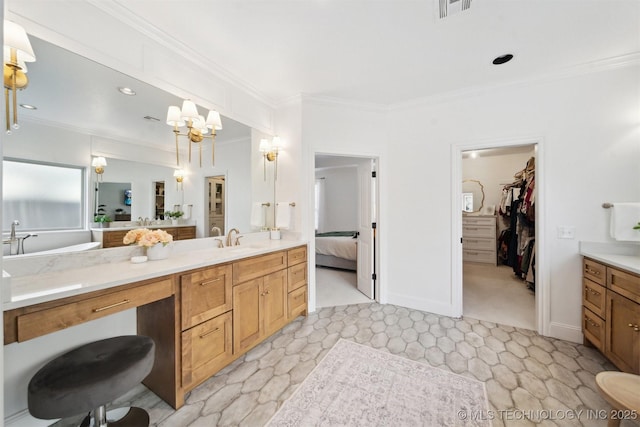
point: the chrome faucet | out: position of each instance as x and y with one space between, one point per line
229 241
217 230
13 229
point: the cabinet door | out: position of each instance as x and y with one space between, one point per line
275 301
205 294
623 337
247 315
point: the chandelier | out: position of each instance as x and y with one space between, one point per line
17 51
197 127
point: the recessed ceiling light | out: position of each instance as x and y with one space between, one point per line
29 107
127 91
503 59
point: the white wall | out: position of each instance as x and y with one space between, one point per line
589 127
340 211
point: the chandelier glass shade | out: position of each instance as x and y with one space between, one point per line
197 127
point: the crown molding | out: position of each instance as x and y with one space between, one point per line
605 64
119 11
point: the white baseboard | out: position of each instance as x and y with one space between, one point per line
421 304
24 419
565 332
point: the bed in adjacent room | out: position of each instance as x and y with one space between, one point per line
337 249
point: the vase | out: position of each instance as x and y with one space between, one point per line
158 251
174 221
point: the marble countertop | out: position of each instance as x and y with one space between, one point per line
625 256
50 285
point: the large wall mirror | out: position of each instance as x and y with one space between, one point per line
80 113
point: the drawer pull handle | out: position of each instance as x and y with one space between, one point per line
470 228
107 307
591 322
635 327
209 282
266 292
590 271
594 292
206 334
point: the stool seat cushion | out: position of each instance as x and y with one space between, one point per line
89 376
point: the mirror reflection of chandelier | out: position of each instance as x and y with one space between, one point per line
17 51
197 127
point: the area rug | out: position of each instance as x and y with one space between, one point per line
356 385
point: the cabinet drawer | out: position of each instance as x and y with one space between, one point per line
297 302
594 271
468 220
296 255
625 284
593 297
258 266
186 233
205 294
206 348
479 256
593 328
297 276
478 244
53 319
479 231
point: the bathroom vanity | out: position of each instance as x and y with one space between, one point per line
611 307
204 308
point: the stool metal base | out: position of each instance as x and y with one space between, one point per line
118 417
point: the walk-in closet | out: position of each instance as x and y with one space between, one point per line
498 235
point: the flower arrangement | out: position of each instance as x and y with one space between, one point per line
147 238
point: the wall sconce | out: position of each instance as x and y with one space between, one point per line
270 152
197 127
98 163
17 51
178 174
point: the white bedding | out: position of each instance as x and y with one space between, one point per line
341 247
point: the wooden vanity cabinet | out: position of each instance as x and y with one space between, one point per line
611 313
113 238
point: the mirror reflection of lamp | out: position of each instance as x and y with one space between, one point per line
270 152
98 164
178 174
17 50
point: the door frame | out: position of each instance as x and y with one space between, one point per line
312 245
542 293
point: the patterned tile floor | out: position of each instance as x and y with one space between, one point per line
530 379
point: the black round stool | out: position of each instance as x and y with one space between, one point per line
87 378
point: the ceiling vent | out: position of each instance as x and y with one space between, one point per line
451 7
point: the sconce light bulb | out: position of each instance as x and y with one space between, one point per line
8 132
16 126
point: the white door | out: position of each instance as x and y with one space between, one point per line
366 218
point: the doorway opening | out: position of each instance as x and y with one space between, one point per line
345 223
216 196
498 202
